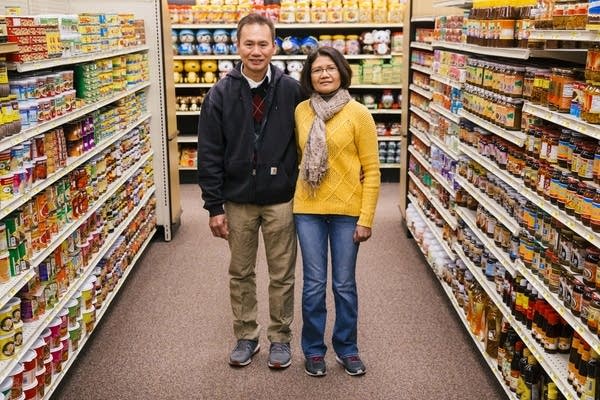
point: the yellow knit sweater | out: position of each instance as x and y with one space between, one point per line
352 146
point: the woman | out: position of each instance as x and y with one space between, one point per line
335 200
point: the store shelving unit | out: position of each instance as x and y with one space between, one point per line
423 92
516 137
8 47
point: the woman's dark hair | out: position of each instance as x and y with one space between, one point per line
338 59
255 19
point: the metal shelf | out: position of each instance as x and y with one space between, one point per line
9 47
449 218
437 231
516 137
344 25
421 68
422 114
421 45
396 86
469 218
389 166
10 206
444 147
445 113
187 139
193 85
555 365
427 165
423 137
566 120
391 111
394 138
38 129
188 168
423 92
491 205
423 19
301 57
454 3
446 81
507 52
570 222
570 35
189 113
62 61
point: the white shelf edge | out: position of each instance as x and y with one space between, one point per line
516 137
10 288
277 57
389 111
396 138
17 202
446 81
192 113
427 165
554 364
421 46
422 114
35 329
570 222
489 244
570 35
552 299
56 379
425 93
187 139
80 112
193 85
423 137
444 147
433 228
389 166
421 68
503 217
396 86
57 62
423 19
454 3
515 53
450 220
566 120
445 113
341 25
188 168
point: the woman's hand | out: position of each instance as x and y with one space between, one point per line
361 234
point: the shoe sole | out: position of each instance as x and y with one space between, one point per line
318 375
243 364
358 373
279 365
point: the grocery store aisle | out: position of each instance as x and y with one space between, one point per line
168 333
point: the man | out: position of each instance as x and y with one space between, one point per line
247 167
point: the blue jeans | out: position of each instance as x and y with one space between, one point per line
314 233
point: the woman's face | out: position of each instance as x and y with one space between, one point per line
324 75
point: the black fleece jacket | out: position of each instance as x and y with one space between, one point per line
237 164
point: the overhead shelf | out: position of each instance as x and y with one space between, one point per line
562 119
507 52
437 231
445 113
389 166
516 137
445 213
421 45
423 92
193 85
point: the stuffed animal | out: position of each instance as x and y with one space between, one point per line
368 100
174 39
194 106
366 42
184 103
177 71
381 41
233 49
224 67
290 45
387 99
279 64
220 40
204 39
309 44
186 42
191 67
209 67
294 68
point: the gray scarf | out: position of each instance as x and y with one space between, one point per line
314 160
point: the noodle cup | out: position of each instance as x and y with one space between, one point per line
89 320
15 304
73 312
63 315
29 361
39 346
6 387
55 332
48 369
65 343
6 319
74 336
17 381
4 267
30 391
18 332
57 358
40 377
7 346
87 295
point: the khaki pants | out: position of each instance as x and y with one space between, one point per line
279 235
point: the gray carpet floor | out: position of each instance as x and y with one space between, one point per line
168 333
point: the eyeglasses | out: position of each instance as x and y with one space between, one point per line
330 70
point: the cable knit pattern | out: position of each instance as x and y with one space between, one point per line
352 145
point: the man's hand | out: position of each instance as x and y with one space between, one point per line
218 226
361 234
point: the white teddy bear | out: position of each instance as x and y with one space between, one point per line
294 69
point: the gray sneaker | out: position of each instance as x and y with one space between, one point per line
280 355
315 366
243 352
352 364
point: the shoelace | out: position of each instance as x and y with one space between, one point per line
280 347
242 345
353 358
316 358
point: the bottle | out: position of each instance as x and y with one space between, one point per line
582 371
515 372
532 378
574 356
493 327
532 302
501 353
589 388
523 362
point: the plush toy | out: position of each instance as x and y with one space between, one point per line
204 38
381 41
194 106
387 99
209 67
368 100
290 45
184 103
366 42
278 42
177 71
279 64
294 68
224 67
309 44
174 39
186 42
191 67
220 40
233 49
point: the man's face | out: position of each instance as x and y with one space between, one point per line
255 47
